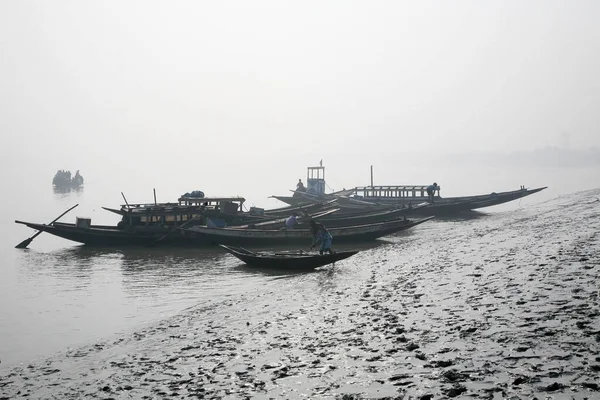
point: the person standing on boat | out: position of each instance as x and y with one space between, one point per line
321 235
431 191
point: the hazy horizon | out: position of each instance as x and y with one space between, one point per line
148 90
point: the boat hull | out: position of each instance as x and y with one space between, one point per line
440 206
283 261
258 237
108 236
449 206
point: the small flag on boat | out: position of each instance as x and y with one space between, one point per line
321 163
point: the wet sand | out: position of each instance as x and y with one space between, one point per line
500 306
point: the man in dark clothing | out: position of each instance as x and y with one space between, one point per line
431 191
321 235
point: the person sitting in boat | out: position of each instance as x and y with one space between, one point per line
300 186
321 235
291 221
431 191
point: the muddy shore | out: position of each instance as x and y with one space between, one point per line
500 306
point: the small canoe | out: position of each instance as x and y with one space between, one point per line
291 261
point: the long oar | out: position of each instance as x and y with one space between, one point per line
26 242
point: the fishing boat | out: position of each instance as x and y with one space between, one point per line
279 222
368 198
221 211
314 192
282 237
145 224
342 216
411 194
310 207
62 180
287 261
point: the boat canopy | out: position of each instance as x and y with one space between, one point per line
185 205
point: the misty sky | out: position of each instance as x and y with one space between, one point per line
148 80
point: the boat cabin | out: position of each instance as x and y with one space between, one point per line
174 214
315 180
402 193
229 205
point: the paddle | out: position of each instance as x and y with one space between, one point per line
26 242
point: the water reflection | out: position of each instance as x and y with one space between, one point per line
66 191
275 273
158 264
61 264
131 267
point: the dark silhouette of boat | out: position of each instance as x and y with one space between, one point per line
63 180
283 237
364 197
175 224
403 195
341 216
179 235
287 261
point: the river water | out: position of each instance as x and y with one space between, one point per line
502 303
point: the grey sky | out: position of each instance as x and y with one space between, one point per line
146 78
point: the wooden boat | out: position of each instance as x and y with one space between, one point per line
314 191
310 207
141 225
106 235
364 198
367 197
339 217
261 237
144 224
279 222
110 235
382 195
221 210
378 211
288 261
63 180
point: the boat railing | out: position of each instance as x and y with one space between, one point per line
391 191
203 200
227 204
230 205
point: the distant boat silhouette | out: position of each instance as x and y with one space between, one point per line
63 180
